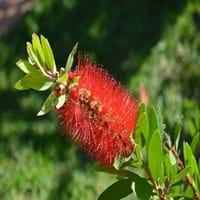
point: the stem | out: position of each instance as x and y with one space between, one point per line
162 195
188 178
149 176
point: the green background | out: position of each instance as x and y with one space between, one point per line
152 42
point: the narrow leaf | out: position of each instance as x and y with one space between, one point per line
34 58
177 133
48 54
191 127
180 175
155 155
143 125
22 85
39 82
47 104
167 165
195 142
27 68
38 49
62 78
153 121
70 59
60 101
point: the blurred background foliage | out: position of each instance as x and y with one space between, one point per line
149 42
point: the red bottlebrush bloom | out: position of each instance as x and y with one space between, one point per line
99 114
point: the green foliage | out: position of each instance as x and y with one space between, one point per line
157 45
155 165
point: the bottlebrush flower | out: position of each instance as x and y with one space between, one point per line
99 113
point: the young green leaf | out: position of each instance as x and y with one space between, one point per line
48 54
38 49
22 85
38 82
70 59
117 190
60 101
155 155
34 57
46 107
62 78
27 68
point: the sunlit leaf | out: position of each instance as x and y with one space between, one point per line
38 49
27 68
34 57
48 54
181 175
62 78
46 107
70 59
22 85
60 101
39 83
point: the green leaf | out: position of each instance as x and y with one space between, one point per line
22 85
38 49
60 101
143 108
160 120
70 59
167 165
119 161
39 82
191 161
34 57
117 190
46 107
62 78
172 158
177 133
153 121
48 54
138 154
143 125
180 175
140 186
27 68
195 142
170 164
191 127
155 155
